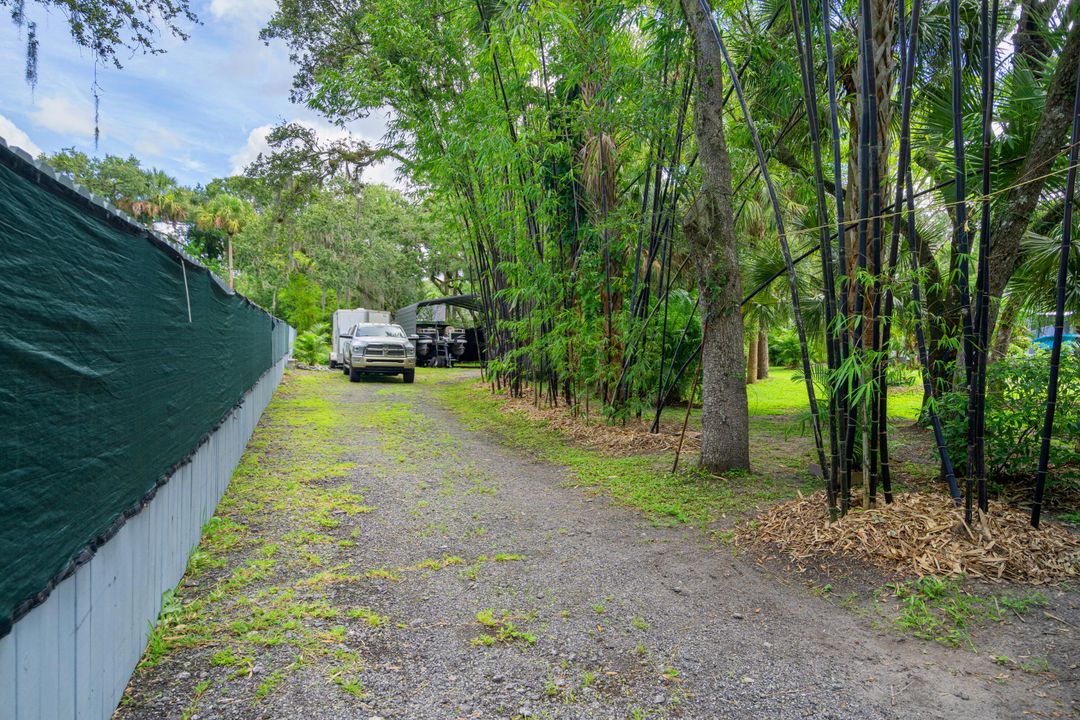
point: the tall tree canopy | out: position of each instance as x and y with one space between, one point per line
556 138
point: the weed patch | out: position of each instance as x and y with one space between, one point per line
939 609
501 629
280 530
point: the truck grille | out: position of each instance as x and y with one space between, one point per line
392 351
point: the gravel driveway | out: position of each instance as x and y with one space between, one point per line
465 580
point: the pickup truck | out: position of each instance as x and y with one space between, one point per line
344 320
379 349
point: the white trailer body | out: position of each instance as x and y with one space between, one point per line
379 316
343 322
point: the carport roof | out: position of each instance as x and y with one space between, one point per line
406 316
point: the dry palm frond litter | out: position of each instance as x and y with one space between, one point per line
633 437
923 534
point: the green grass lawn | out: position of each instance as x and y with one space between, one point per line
781 395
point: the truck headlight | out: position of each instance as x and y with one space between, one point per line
410 350
358 349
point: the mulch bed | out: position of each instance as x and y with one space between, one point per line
596 433
923 534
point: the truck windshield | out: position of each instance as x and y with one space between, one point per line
379 331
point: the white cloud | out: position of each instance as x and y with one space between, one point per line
254 10
156 142
192 165
65 115
256 142
14 136
383 172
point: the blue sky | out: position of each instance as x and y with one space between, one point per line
198 112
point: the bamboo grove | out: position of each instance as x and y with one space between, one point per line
643 190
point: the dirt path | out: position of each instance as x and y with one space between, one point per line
385 562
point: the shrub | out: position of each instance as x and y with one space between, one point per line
311 348
901 375
1015 408
784 350
679 317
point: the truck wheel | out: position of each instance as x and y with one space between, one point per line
333 364
408 375
354 376
345 368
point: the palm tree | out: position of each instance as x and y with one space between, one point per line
227 214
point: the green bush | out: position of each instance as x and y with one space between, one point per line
311 347
900 375
1015 408
784 350
679 317
300 302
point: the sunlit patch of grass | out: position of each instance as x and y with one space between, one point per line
783 394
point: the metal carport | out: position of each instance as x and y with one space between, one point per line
406 316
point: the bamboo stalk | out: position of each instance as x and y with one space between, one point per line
1059 313
907 73
866 126
806 57
916 278
960 240
841 475
982 301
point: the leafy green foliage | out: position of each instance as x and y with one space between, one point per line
784 349
106 28
1015 407
311 347
300 302
146 193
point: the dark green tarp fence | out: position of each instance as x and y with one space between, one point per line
105 385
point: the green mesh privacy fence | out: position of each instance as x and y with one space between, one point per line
105 384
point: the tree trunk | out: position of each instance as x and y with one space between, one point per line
1031 43
709 227
752 362
230 263
1004 330
1018 204
762 355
